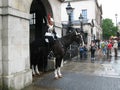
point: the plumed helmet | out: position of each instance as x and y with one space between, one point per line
50 19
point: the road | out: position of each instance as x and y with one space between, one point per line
102 74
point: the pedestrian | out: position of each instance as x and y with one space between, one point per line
81 52
93 49
99 51
106 43
85 51
115 47
119 44
102 45
109 48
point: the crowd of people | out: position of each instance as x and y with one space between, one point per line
102 47
105 47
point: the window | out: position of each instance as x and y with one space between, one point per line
84 13
32 18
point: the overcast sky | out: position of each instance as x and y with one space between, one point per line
110 8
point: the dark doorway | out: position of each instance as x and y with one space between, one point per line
38 20
38 27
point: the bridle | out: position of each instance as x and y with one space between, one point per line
80 36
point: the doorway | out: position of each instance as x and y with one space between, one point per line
38 27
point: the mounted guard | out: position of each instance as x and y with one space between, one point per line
50 35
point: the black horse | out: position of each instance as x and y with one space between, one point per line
60 47
38 56
40 52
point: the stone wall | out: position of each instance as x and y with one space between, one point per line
14 41
14 46
0 44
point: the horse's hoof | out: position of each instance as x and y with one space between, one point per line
37 74
33 75
56 78
60 76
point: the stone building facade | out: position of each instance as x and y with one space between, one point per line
92 13
15 37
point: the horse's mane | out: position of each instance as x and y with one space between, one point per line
65 40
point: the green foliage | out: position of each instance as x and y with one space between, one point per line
108 28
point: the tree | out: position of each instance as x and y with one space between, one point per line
108 28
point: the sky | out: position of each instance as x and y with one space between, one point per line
110 8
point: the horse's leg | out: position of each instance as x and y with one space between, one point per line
33 70
57 71
56 75
36 70
56 66
59 67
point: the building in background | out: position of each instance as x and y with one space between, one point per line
92 14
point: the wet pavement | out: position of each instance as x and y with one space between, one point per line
102 74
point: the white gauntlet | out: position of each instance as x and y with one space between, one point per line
50 29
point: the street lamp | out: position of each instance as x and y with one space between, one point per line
81 22
116 15
69 10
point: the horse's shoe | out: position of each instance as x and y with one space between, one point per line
60 76
56 78
34 75
38 74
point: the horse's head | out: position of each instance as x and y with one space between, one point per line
79 37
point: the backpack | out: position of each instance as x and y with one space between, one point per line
102 45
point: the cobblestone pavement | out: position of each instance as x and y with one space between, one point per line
102 74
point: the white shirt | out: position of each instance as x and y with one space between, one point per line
115 45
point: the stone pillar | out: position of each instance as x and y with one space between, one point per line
0 45
15 44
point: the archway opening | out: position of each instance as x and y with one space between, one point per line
38 20
38 27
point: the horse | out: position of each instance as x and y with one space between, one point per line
39 52
60 46
38 56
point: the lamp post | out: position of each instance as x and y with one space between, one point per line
69 10
81 22
116 15
117 34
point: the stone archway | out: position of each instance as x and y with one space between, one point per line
38 27
38 21
15 69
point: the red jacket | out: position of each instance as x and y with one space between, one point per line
109 46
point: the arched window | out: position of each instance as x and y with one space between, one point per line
32 19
